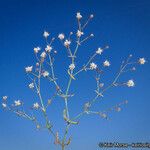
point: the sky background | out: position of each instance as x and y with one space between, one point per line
123 25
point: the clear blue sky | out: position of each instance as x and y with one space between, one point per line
124 25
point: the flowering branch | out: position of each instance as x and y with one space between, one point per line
46 57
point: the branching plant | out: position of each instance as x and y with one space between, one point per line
45 57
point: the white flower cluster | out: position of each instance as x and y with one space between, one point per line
37 73
4 98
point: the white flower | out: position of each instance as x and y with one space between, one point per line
29 69
67 43
106 63
133 69
31 85
4 105
118 109
103 115
36 105
48 48
99 51
37 64
45 74
142 61
55 52
91 16
79 33
5 98
45 34
61 36
93 66
71 66
107 46
78 16
130 83
36 49
101 85
91 34
17 103
43 55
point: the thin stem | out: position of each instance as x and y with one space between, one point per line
53 74
39 87
66 98
86 23
65 135
76 49
51 65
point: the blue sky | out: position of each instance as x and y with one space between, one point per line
123 25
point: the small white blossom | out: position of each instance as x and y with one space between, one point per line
17 103
71 33
118 109
78 16
93 66
45 74
91 34
79 33
37 64
5 98
106 63
43 55
142 61
36 49
130 83
48 48
103 115
133 69
101 85
67 43
61 36
107 46
4 105
29 69
36 105
45 34
55 52
31 85
91 16
71 66
99 51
